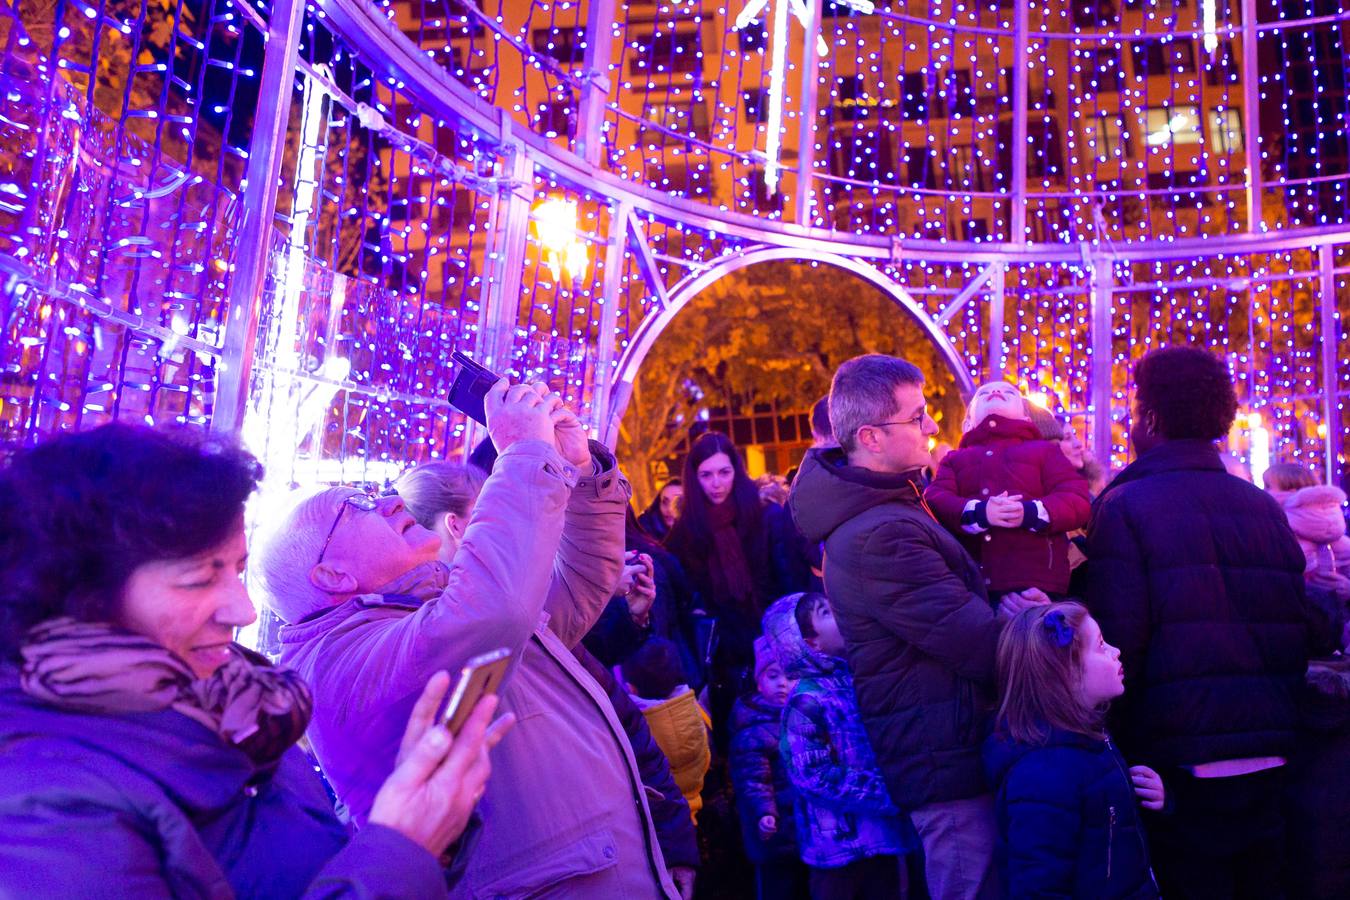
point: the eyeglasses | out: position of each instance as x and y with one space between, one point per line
917 420
363 502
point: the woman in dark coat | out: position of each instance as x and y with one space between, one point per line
143 753
658 518
740 556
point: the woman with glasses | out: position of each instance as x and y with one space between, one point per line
741 555
142 751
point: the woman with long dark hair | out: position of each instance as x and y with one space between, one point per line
740 556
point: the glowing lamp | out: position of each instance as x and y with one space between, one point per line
555 227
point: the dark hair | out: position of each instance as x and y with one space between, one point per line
81 512
693 525
1184 392
1038 667
807 605
820 419
654 670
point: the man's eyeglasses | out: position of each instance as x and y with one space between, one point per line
363 502
917 420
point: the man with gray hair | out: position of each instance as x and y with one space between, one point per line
911 606
371 614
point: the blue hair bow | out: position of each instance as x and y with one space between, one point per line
1061 632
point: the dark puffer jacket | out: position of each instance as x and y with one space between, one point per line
920 631
760 778
1196 576
1068 821
1000 455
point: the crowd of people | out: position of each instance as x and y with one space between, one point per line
990 671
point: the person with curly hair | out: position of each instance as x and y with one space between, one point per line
144 753
1196 576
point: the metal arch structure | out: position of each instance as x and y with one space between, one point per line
696 283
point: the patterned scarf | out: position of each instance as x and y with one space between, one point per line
100 668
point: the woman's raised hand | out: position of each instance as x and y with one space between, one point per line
438 779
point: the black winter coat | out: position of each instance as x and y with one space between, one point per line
1068 821
921 634
1196 576
670 811
760 778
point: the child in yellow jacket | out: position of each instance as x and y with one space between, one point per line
654 678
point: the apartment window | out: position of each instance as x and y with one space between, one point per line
753 38
1225 130
756 104
1163 57
1087 13
975 230
1101 72
1106 137
914 95
566 45
919 167
686 120
1168 125
556 118
1221 67
666 51
961 93
964 171
852 93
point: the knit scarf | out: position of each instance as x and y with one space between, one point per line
729 568
100 668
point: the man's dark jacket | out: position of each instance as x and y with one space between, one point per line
1196 576
920 631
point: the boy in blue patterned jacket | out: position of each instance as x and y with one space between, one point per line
849 832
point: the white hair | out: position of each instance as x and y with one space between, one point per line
281 559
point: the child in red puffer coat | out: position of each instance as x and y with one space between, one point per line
1010 496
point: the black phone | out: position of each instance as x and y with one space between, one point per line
480 677
470 386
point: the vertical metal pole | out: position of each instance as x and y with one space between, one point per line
508 231
266 150
599 54
806 126
1251 117
1021 25
1100 388
994 340
1327 311
609 314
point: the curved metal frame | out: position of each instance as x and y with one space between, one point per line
691 286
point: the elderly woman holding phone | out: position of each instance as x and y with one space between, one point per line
144 753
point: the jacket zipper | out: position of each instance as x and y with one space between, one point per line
1110 840
1142 846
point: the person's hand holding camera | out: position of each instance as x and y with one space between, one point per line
519 412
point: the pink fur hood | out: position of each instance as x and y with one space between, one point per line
1315 513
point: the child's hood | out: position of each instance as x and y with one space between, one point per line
997 429
799 659
1315 513
1001 752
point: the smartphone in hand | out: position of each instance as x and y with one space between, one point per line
471 384
480 677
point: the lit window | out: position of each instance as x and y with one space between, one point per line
1172 125
1225 130
1105 137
